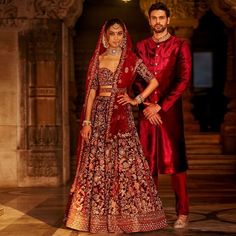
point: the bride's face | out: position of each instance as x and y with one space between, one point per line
115 35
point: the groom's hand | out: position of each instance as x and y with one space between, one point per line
151 113
155 120
151 109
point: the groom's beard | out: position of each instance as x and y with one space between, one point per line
159 28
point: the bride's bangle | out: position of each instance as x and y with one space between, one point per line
86 122
139 99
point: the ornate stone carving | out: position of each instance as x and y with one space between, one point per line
44 40
68 10
226 10
46 137
12 23
51 8
40 164
8 9
74 13
42 92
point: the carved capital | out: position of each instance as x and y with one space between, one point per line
226 10
8 9
67 10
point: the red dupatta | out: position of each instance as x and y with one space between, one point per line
123 78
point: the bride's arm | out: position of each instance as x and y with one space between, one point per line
142 70
87 129
91 97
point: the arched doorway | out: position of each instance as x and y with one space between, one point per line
209 46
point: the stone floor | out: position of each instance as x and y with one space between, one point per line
39 211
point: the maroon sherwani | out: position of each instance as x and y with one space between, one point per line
164 145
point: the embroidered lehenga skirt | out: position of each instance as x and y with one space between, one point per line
113 190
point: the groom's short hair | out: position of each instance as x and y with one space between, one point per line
159 6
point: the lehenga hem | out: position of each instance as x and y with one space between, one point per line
118 224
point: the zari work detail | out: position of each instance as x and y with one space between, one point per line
114 190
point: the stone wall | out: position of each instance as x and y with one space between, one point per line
9 109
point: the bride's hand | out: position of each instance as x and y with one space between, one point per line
124 99
86 133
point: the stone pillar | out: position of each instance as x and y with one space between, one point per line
228 129
34 96
41 96
226 10
10 105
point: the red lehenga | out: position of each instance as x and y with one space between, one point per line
113 190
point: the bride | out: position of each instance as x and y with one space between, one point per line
113 190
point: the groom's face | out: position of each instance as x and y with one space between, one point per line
158 21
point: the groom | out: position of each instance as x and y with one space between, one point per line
161 132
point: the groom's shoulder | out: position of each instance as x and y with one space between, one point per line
142 42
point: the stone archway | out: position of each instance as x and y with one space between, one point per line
226 10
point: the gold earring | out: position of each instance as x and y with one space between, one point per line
104 42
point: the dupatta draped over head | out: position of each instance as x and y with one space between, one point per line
113 190
118 121
123 78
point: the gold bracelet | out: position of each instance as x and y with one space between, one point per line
139 99
86 122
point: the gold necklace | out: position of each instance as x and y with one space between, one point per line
162 38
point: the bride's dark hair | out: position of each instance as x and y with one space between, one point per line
113 21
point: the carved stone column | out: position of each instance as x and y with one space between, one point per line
228 130
41 57
35 36
185 17
226 10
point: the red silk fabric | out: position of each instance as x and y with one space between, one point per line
119 119
170 61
